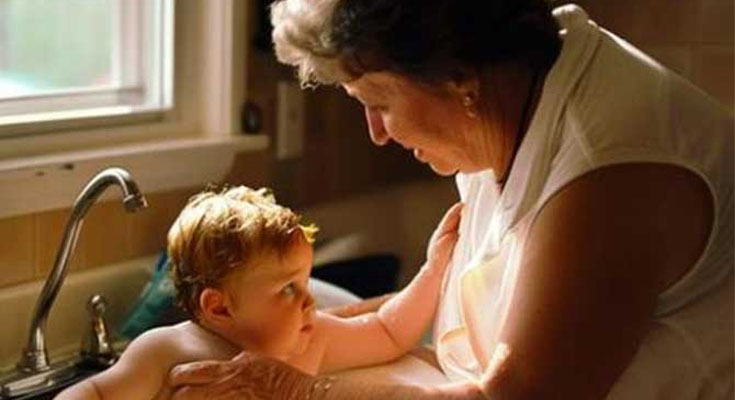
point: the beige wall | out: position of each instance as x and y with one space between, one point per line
692 37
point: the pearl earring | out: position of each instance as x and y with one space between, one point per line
468 102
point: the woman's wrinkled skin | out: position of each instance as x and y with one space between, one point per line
245 377
434 123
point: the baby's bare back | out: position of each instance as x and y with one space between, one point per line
183 343
143 369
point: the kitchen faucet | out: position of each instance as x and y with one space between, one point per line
35 356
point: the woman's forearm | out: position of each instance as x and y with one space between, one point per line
329 388
249 376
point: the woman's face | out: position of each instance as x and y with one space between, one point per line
430 122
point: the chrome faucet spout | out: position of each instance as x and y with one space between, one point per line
35 356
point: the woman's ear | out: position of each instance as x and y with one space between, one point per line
214 307
465 84
464 87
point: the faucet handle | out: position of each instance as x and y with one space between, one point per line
97 305
97 345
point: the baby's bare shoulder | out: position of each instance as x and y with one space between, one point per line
197 343
164 346
147 342
146 361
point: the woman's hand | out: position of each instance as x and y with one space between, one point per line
444 237
245 377
250 377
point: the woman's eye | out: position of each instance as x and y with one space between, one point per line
289 290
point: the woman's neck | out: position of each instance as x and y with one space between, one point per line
515 132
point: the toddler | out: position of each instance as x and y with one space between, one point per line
241 265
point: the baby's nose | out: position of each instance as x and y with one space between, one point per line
308 301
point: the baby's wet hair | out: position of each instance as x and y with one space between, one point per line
223 229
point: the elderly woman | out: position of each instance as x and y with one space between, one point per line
595 257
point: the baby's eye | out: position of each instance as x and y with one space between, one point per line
289 290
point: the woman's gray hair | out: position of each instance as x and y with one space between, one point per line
301 35
336 41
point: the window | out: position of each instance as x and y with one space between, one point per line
48 156
83 59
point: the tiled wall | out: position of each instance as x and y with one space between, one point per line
692 37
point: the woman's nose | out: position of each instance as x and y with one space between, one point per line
377 131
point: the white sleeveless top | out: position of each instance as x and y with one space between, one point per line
603 102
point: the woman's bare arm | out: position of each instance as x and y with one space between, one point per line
597 257
250 377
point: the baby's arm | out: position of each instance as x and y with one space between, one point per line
398 324
139 374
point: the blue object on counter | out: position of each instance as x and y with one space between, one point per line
155 302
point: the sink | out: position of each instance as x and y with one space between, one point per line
69 322
57 379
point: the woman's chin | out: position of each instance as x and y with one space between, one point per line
438 168
442 170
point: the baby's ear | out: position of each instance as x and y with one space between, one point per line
213 306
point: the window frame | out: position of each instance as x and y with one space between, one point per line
203 129
209 80
142 71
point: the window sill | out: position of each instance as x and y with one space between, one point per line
47 182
